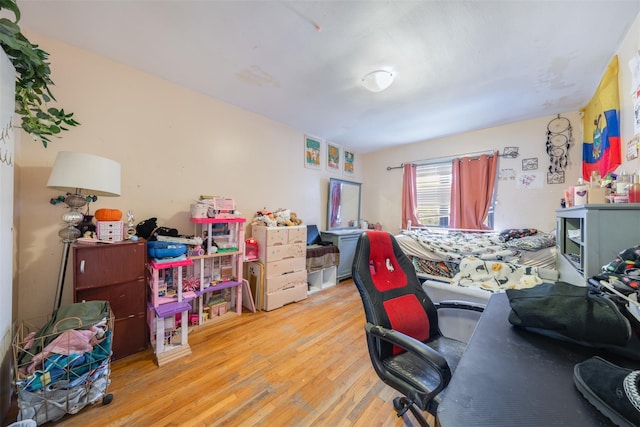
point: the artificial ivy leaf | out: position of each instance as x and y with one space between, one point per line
33 78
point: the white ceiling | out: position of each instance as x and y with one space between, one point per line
459 65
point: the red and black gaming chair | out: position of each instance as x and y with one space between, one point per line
407 349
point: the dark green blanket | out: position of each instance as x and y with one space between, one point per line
80 315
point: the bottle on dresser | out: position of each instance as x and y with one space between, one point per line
634 189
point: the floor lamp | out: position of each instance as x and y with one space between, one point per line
80 176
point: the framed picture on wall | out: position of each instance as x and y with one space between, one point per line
333 157
555 177
348 167
312 152
530 164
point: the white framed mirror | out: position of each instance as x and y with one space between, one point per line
343 210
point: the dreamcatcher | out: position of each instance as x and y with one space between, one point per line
558 144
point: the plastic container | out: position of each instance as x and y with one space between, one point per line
251 249
580 195
634 189
111 231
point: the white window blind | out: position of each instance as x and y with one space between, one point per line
433 187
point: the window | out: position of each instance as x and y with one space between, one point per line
433 188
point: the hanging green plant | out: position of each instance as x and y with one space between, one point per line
32 81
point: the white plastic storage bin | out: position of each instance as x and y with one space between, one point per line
112 231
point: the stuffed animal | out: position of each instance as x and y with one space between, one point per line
279 218
294 219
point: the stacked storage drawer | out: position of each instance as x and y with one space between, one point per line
283 252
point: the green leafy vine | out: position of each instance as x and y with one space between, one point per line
32 81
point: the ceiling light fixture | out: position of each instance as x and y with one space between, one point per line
377 81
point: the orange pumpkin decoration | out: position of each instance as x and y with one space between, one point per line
108 215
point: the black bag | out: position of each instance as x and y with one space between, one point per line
149 230
573 313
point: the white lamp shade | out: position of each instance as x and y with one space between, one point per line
79 172
377 81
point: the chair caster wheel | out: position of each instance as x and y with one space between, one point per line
398 404
107 398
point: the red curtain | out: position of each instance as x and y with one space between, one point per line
409 196
472 183
336 195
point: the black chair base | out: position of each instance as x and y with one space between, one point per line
401 404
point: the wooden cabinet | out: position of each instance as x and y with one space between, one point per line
282 251
590 236
115 272
346 241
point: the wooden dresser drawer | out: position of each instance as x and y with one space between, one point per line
285 266
297 234
269 236
104 264
129 336
126 299
279 252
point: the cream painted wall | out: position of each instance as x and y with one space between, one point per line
515 207
173 145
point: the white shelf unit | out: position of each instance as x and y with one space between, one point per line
590 236
322 279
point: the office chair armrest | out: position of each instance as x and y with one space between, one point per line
412 345
462 305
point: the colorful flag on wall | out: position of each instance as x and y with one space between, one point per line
601 141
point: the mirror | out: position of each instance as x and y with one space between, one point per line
344 204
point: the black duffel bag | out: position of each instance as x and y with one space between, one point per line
576 314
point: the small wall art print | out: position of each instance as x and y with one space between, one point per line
555 177
312 152
530 164
333 157
530 180
632 148
507 174
510 152
349 167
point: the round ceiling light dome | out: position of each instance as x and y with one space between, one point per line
377 81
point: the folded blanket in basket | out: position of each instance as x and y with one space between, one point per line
82 315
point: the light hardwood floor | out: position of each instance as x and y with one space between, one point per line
305 364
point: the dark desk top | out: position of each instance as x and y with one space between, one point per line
512 378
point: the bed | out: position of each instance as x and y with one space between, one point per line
470 266
437 254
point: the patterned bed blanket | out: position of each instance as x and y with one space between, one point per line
454 246
495 276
